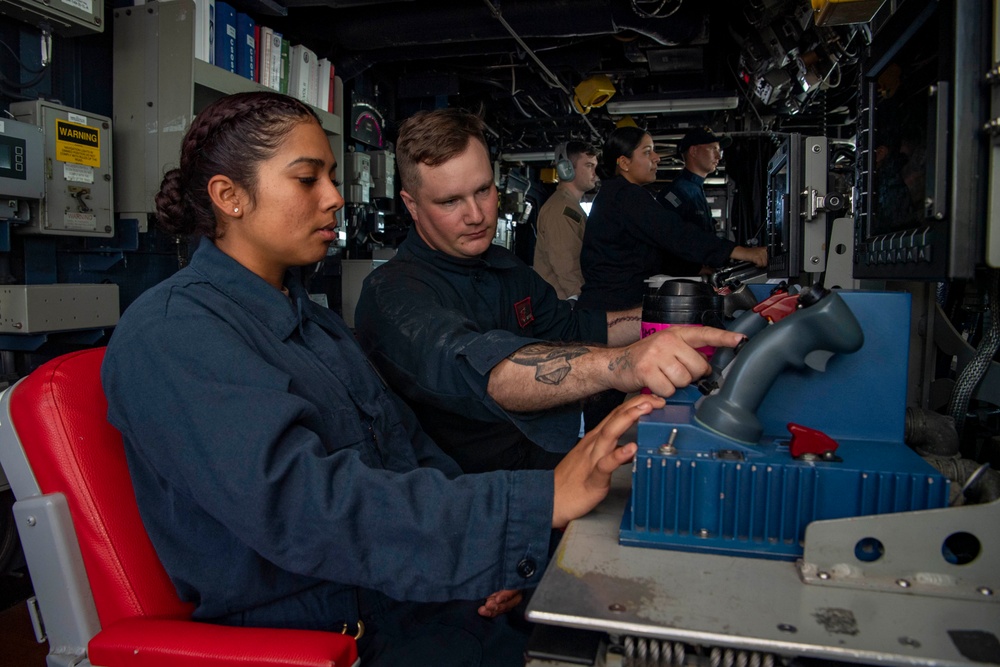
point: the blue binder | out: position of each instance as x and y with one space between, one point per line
225 36
246 46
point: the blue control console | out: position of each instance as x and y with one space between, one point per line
791 435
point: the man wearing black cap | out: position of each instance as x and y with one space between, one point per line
701 149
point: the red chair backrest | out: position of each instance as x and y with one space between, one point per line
60 414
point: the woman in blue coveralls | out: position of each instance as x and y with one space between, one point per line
281 483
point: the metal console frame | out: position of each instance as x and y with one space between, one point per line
755 606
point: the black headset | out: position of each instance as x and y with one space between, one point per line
564 168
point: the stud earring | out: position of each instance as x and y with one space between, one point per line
236 210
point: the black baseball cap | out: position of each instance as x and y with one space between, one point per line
702 135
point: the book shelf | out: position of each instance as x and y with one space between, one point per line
159 86
213 82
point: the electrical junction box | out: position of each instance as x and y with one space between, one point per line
70 18
383 170
357 178
29 309
78 198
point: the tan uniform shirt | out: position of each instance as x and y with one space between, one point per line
561 222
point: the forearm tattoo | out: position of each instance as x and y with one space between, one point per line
624 318
551 363
622 362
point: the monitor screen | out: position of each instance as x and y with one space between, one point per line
901 135
784 183
12 164
920 198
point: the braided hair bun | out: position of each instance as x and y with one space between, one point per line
229 137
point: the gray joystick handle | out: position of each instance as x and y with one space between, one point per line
749 324
827 325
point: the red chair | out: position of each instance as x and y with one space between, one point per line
101 593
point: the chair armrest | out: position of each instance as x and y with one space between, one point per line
159 642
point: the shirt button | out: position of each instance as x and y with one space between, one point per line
526 568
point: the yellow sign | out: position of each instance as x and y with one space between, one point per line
80 144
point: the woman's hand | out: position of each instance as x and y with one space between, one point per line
500 603
583 477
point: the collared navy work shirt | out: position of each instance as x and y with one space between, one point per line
269 461
686 197
436 325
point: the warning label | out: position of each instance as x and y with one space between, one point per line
79 144
83 5
78 173
84 222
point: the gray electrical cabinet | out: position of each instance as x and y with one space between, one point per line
70 18
31 309
78 199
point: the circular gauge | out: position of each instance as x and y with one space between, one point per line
366 124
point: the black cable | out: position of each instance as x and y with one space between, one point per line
21 85
12 85
655 14
6 92
18 60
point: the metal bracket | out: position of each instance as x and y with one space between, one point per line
814 233
36 619
814 202
839 261
952 553
68 616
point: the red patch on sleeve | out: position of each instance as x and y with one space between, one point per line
523 311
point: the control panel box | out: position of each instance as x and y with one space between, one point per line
70 18
20 163
30 309
20 169
78 199
806 425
